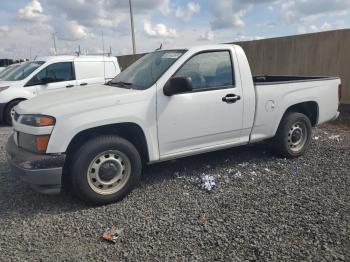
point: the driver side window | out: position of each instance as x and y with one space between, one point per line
53 73
209 70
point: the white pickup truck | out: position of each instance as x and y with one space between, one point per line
168 104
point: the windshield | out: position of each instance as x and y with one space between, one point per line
8 70
22 71
147 70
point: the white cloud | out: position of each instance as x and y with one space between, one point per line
326 26
207 36
4 30
297 11
164 7
241 37
33 12
72 31
230 13
159 30
187 13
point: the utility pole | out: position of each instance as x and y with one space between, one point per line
54 42
132 29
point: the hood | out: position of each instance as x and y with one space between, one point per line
77 99
6 83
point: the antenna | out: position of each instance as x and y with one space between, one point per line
160 48
79 51
103 54
54 42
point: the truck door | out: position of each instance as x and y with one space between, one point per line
210 115
54 77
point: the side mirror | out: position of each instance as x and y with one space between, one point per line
178 85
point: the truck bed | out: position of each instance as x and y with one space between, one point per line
280 79
275 94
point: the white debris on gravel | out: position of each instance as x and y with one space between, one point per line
206 182
335 137
231 171
244 164
238 174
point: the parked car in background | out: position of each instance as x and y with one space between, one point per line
2 69
8 70
168 104
49 74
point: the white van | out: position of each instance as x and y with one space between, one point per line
48 74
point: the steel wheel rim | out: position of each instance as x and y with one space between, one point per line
108 172
12 112
297 137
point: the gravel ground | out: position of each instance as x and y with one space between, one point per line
264 208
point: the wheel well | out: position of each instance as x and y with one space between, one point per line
130 131
7 104
310 109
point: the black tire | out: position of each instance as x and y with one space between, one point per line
84 157
7 111
285 136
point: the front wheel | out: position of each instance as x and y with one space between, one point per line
105 169
293 135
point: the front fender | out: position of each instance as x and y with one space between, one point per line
67 127
11 94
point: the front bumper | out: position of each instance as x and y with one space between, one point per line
42 172
2 108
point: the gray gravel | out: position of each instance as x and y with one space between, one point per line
272 209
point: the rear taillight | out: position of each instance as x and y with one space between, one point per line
340 91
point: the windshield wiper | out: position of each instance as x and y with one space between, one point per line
120 84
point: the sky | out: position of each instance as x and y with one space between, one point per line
28 27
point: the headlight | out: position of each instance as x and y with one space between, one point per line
3 88
37 120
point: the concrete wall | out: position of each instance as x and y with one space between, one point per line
325 53
126 60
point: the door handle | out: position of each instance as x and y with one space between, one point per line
83 84
69 86
231 98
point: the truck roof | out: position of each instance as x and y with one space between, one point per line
62 58
203 47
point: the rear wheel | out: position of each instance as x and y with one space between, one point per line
104 170
293 135
9 111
